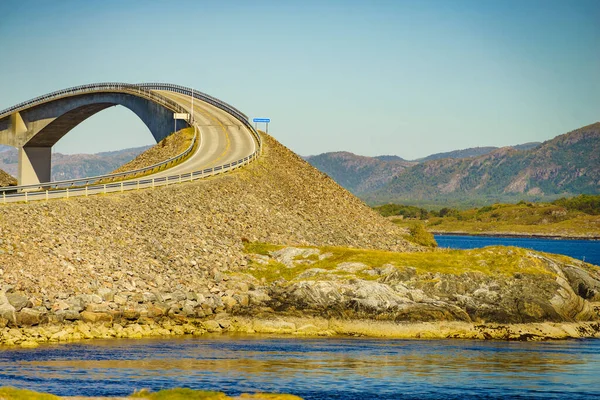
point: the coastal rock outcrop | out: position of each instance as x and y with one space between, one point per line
401 293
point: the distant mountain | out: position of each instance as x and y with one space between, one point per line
390 158
363 175
526 146
474 152
71 166
359 174
566 165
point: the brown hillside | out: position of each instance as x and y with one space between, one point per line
6 179
171 146
172 238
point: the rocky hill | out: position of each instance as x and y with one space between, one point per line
564 166
169 147
191 258
474 152
364 175
356 173
6 179
180 238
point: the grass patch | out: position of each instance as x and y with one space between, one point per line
263 249
497 260
11 393
180 394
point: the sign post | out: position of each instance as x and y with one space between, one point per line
265 120
183 116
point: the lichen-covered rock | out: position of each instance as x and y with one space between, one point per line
558 292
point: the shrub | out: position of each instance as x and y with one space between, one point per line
419 235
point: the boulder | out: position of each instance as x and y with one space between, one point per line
18 301
7 310
89 316
31 317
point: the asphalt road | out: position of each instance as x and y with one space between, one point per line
223 138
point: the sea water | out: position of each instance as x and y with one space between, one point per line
313 368
586 250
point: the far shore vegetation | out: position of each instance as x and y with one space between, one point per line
566 217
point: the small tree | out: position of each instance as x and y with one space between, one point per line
419 235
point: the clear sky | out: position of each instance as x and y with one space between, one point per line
409 78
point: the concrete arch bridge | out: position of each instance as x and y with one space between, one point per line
225 135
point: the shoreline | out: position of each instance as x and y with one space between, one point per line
515 235
32 337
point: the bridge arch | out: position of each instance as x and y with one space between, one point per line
35 127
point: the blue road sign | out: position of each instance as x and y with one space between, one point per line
267 120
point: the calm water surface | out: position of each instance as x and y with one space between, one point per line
323 368
587 250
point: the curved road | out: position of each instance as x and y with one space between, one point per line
223 139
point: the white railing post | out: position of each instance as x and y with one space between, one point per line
152 183
86 191
25 197
4 197
67 192
121 187
46 194
104 188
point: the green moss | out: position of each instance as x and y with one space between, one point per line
260 248
489 260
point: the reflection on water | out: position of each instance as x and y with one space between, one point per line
331 368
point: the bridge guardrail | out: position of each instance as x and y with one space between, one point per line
207 99
93 182
126 186
95 88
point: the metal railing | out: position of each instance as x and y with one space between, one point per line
122 186
207 99
96 184
112 87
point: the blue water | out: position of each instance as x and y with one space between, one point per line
587 250
313 368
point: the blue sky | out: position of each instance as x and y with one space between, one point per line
409 78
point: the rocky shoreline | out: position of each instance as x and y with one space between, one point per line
32 337
547 299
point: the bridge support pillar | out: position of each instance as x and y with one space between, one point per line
34 165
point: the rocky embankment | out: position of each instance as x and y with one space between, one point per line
156 258
6 179
169 147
